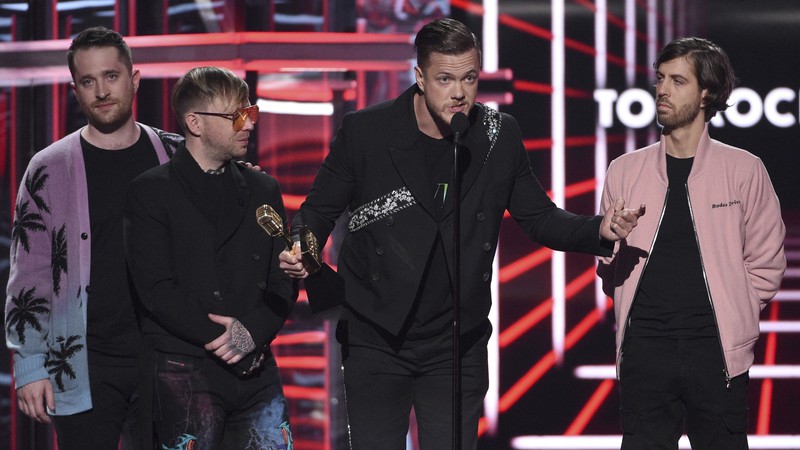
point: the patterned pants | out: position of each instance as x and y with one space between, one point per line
201 405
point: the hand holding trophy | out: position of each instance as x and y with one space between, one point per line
272 224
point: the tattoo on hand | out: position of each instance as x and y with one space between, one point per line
241 338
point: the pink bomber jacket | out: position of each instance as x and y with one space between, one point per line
739 230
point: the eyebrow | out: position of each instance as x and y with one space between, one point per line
452 74
672 76
103 73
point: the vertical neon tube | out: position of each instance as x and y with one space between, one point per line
491 63
558 131
630 62
601 144
652 49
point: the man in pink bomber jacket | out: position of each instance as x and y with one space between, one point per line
689 285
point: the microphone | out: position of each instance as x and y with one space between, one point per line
459 124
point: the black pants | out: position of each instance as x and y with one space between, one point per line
202 405
666 383
382 384
114 401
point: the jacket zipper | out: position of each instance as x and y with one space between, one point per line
639 282
708 291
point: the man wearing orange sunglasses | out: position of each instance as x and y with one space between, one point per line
208 278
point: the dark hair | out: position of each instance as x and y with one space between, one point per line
202 85
445 36
711 67
98 37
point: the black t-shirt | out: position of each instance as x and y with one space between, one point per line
434 303
112 330
672 300
216 186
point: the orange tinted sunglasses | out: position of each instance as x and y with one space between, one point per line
239 117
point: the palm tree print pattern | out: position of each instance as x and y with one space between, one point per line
58 260
57 362
26 307
34 183
25 222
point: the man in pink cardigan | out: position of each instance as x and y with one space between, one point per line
70 319
689 285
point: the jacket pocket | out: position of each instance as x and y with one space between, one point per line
735 421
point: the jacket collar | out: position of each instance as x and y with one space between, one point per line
704 150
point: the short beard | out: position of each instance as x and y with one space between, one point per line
112 126
683 117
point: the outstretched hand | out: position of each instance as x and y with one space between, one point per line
618 222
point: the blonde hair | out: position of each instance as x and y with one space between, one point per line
201 86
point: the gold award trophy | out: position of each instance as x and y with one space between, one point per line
272 223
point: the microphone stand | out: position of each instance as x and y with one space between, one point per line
456 294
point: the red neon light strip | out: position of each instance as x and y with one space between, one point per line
526 27
585 415
526 382
534 30
524 264
528 321
532 86
306 337
538 370
583 187
293 202
540 88
525 323
765 399
547 143
132 31
587 4
265 37
574 141
467 6
301 362
305 393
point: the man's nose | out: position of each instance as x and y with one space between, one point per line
458 91
101 90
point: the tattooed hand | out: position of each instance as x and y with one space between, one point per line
232 345
241 338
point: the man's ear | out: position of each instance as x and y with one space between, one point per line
420 79
703 95
135 79
192 124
